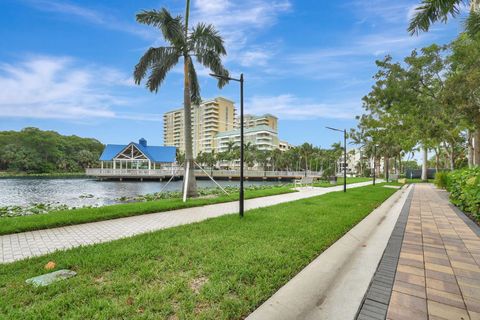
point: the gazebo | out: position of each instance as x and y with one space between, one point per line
137 156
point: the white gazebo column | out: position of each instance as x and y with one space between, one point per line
149 165
114 165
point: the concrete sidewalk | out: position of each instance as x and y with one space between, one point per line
334 284
23 245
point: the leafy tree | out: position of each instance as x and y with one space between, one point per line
35 151
202 42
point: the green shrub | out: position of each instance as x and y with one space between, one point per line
464 187
441 180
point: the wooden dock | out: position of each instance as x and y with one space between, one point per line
165 174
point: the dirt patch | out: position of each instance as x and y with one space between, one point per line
197 284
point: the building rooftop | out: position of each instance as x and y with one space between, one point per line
155 154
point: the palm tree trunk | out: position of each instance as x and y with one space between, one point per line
476 147
424 165
452 158
470 149
189 188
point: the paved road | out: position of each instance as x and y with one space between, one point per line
23 245
438 273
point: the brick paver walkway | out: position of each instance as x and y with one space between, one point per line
34 243
438 273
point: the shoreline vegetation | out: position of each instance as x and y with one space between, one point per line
221 268
52 175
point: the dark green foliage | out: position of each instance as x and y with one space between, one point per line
35 151
464 187
222 268
441 179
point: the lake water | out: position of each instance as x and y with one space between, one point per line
71 192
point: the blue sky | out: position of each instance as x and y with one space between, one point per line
67 65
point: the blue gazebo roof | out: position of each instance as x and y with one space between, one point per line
153 153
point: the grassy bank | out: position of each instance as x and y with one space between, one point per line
83 215
326 184
222 268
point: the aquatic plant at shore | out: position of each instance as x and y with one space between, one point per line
34 208
204 192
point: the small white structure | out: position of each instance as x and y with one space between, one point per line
137 156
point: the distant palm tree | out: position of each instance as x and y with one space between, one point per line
204 43
431 11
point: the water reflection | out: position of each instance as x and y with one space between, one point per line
77 192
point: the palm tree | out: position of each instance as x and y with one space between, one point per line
431 11
204 43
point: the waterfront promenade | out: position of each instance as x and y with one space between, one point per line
23 245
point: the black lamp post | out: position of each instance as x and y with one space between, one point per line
242 158
344 156
374 162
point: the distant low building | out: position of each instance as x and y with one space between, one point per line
284 145
137 156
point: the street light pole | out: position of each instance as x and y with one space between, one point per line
345 160
374 160
344 156
242 156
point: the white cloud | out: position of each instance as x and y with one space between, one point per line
66 8
288 106
239 23
57 88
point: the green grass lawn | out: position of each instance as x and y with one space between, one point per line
326 184
221 268
82 215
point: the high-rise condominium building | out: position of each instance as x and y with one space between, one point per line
251 121
208 119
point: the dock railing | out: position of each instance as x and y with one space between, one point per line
134 173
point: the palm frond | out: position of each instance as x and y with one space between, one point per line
472 23
194 85
206 37
172 28
431 11
212 60
152 57
160 70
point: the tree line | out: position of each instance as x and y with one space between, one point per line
300 158
32 150
430 101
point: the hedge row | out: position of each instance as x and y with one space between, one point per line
464 188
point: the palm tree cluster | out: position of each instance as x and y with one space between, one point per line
305 157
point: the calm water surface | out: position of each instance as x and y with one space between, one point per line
72 191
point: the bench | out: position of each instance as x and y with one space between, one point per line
303 181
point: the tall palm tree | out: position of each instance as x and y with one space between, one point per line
202 42
431 11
